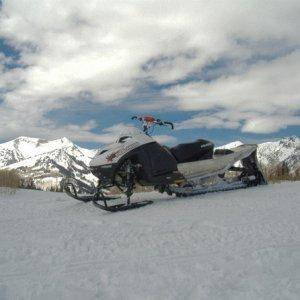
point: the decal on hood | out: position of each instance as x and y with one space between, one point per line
120 152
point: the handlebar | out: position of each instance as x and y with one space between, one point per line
165 123
152 121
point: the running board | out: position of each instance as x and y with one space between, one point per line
190 191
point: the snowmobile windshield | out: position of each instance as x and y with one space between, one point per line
123 139
129 132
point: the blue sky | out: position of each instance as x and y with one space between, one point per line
218 71
107 116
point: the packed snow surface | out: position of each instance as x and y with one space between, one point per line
241 244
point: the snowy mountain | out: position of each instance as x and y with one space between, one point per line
285 152
45 162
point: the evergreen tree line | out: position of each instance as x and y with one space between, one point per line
10 178
280 173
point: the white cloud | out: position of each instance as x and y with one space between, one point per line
207 121
112 48
14 123
269 124
266 97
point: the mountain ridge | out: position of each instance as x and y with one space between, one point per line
47 162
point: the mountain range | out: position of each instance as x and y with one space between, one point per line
47 162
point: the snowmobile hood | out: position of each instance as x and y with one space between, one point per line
127 141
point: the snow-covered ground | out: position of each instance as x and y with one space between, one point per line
234 245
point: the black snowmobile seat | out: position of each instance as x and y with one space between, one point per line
188 152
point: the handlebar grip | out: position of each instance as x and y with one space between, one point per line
137 118
170 123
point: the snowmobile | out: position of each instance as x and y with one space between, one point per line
184 170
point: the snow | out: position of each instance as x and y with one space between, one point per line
286 150
30 147
47 162
88 153
231 145
241 244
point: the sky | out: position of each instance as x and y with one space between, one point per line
220 70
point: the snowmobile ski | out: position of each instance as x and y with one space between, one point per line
72 189
123 206
126 185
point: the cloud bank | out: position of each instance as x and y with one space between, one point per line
236 64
